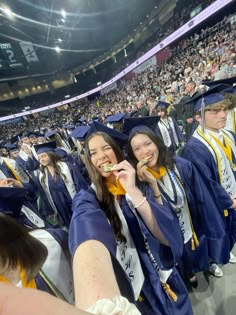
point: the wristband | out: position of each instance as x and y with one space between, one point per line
140 203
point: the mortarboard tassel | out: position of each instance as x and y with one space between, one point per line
170 292
203 106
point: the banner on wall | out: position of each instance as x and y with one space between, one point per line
147 64
29 52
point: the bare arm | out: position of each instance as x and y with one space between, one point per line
18 301
127 179
94 277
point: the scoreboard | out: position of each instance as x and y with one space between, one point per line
15 56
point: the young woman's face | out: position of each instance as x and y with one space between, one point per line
161 112
142 147
101 153
44 159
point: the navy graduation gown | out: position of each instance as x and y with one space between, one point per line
89 222
179 134
196 152
60 195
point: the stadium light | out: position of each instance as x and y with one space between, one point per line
57 49
63 13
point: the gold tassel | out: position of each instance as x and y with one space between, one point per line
193 244
195 239
170 293
140 298
226 213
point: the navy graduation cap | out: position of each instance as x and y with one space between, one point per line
80 132
33 134
50 133
115 118
12 147
116 135
136 123
11 200
212 96
228 81
162 104
45 147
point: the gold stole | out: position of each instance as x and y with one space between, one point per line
30 285
115 190
12 170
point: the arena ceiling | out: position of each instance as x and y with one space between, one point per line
42 37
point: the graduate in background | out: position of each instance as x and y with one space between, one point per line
132 229
167 128
212 150
35 259
58 183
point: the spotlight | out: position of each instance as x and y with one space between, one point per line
58 49
7 11
59 40
63 13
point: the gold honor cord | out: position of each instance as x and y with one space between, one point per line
12 170
226 213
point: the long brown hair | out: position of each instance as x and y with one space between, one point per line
165 158
105 198
19 248
54 158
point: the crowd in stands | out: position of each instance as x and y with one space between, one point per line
208 55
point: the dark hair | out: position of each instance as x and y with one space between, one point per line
165 158
105 198
54 158
19 248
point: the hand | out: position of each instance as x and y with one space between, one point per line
125 172
3 183
13 182
189 120
144 175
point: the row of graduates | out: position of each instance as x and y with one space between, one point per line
169 215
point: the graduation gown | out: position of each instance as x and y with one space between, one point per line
167 126
196 152
60 196
90 222
55 276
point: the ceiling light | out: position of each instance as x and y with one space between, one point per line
63 13
7 11
58 49
59 40
63 21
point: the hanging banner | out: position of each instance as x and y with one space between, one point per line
29 52
147 64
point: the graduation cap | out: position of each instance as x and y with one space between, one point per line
212 96
119 137
162 104
45 147
12 147
32 134
137 123
82 119
115 118
80 132
50 134
228 81
11 200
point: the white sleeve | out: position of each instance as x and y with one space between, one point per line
117 306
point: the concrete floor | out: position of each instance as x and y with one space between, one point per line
215 296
